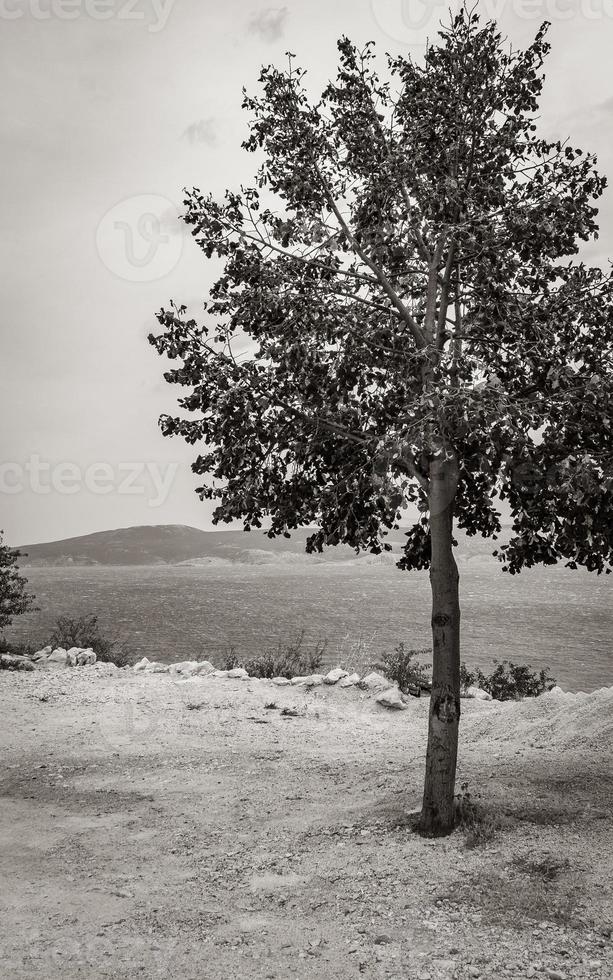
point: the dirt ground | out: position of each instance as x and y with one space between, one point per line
191 830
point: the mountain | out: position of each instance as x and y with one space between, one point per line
173 544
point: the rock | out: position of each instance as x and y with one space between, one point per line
186 667
86 657
336 675
238 672
220 673
11 661
374 682
310 680
349 681
59 656
42 654
141 665
280 681
553 692
157 668
204 667
392 698
555 975
473 971
314 680
71 658
476 692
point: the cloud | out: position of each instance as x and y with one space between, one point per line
269 23
202 131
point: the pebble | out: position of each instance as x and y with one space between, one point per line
555 975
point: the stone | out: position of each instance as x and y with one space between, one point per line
238 673
59 656
350 681
85 657
555 975
71 658
11 661
374 682
187 667
42 654
478 693
392 698
220 673
157 668
204 667
280 681
141 665
310 680
335 675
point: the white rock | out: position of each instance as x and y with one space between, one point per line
392 698
85 657
186 667
554 692
478 693
220 673
238 672
349 681
71 659
42 654
300 679
336 675
204 667
59 656
280 681
374 682
142 664
157 668
314 680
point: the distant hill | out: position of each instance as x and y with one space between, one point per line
172 544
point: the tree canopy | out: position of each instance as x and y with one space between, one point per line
413 288
14 598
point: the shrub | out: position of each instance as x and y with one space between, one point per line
84 631
290 659
401 667
508 681
15 648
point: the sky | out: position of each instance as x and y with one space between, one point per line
110 109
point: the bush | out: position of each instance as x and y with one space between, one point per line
85 632
290 659
16 649
508 681
408 673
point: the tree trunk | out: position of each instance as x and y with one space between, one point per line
437 816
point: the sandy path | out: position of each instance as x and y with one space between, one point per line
158 829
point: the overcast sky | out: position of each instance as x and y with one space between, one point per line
111 107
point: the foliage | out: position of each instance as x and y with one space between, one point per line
398 282
16 648
508 681
290 659
14 599
84 631
401 667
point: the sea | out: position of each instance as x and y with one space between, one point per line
546 617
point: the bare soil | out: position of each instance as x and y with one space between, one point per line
191 830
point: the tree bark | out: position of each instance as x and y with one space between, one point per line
437 816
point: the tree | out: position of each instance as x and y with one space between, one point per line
413 329
14 600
